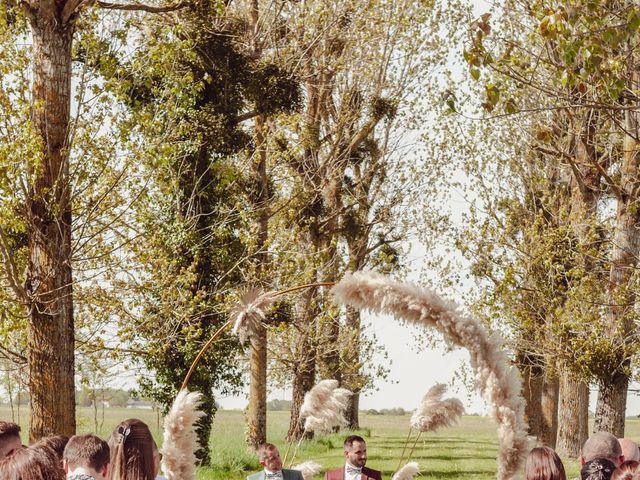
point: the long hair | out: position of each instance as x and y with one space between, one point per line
597 469
35 462
544 464
131 446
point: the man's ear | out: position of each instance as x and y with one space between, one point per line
582 462
105 470
262 462
65 465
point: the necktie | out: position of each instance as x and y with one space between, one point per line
274 475
353 470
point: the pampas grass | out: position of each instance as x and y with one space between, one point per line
250 312
180 437
435 413
322 410
407 472
309 469
496 379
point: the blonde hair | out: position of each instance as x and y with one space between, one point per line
544 464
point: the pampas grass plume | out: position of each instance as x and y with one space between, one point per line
250 312
308 469
180 437
435 413
407 472
324 406
497 379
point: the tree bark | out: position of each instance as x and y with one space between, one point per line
532 393
573 415
612 395
549 408
49 275
352 359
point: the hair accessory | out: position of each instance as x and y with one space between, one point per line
124 432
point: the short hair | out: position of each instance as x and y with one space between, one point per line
56 442
601 445
627 471
263 448
629 449
87 451
9 429
31 463
348 442
543 463
597 469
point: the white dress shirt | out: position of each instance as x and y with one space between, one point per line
351 472
269 475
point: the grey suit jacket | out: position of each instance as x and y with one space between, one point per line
286 474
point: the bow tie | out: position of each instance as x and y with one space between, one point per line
274 475
353 470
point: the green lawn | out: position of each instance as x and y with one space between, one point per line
466 451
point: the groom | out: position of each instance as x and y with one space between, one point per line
355 452
270 459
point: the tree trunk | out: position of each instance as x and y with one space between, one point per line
612 396
256 432
49 276
352 360
302 383
573 415
532 393
257 411
549 407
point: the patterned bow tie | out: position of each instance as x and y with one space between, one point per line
353 470
274 475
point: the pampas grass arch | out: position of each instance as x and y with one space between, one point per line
496 379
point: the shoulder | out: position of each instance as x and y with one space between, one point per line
334 473
292 474
255 476
370 472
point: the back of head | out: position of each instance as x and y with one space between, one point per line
55 442
131 446
597 469
544 464
35 462
86 451
601 445
629 470
9 438
630 449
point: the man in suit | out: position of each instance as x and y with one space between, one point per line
355 452
270 460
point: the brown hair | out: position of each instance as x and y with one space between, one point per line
131 446
9 429
87 451
544 464
36 462
55 442
627 471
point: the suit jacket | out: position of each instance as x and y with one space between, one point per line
367 474
286 475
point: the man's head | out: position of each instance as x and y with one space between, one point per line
602 445
355 451
87 454
9 438
269 457
629 449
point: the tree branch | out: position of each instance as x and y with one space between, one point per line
11 270
141 7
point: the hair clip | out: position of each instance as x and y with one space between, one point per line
124 432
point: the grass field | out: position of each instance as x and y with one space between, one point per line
466 451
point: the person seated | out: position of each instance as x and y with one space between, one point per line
9 438
131 446
629 470
602 445
86 457
355 453
630 449
35 462
269 457
597 469
543 463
